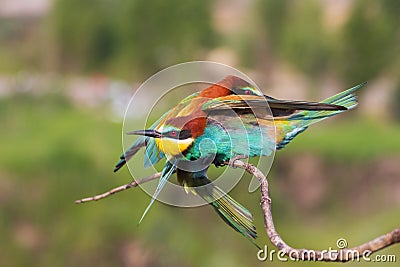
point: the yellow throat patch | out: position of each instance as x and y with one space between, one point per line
173 147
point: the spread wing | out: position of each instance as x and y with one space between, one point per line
277 107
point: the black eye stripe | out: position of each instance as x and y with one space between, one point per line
184 134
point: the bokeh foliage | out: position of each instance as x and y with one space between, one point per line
370 40
130 37
363 48
295 32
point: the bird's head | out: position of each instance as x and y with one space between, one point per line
175 136
246 90
236 86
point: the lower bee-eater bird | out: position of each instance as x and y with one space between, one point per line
219 113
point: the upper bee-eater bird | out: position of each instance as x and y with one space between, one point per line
220 112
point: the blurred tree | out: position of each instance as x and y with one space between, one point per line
396 103
261 42
84 34
295 33
392 11
163 33
368 40
305 41
130 37
274 17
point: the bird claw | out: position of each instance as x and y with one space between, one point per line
235 158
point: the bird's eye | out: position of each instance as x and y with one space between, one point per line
173 133
247 92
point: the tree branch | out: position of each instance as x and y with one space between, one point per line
341 255
118 189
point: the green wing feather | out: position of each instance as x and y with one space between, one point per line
256 102
289 127
167 171
232 212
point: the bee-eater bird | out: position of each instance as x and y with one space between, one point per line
219 113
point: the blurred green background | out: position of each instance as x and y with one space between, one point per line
69 67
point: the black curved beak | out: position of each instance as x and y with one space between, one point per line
149 133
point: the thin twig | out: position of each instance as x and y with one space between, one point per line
118 189
341 255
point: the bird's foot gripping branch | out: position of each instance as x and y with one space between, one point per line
341 255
